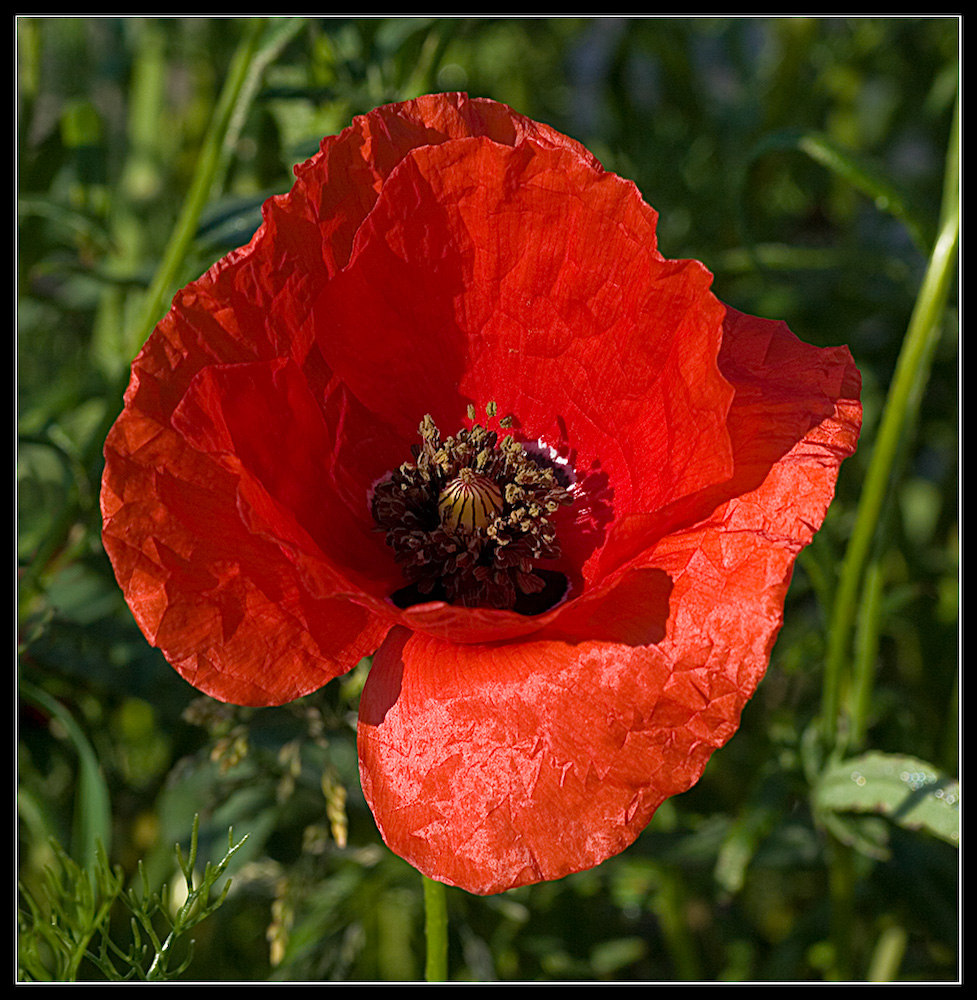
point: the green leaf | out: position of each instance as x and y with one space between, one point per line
864 176
905 790
93 808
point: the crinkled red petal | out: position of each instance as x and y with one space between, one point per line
527 277
489 766
195 424
261 421
222 601
339 185
788 393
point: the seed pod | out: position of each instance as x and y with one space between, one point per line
469 502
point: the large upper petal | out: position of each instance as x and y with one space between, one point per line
528 277
337 188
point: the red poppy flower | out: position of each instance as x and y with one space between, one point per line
451 406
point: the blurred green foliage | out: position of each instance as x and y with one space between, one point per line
802 159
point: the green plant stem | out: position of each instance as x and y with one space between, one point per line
841 892
210 159
436 930
80 950
898 417
679 941
250 61
866 651
888 955
62 543
93 808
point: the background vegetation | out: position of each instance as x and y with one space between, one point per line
803 160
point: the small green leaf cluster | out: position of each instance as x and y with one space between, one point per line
65 925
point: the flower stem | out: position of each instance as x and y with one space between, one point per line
260 44
898 416
436 930
866 650
888 955
841 892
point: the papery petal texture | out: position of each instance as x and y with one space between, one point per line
436 256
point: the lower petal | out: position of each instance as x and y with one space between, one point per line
493 766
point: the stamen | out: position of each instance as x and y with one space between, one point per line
469 519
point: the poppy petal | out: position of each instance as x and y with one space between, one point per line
730 573
336 188
490 766
261 421
795 417
223 602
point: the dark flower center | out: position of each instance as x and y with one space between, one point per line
469 519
